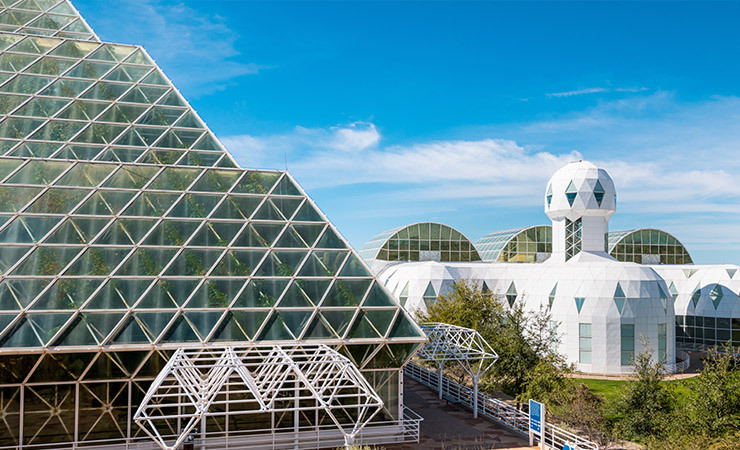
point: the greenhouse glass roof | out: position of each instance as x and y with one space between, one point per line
124 223
425 241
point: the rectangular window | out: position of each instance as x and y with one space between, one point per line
628 344
584 343
662 354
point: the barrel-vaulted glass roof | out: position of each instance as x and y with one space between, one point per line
647 246
530 244
425 241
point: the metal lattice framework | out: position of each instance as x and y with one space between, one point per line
199 383
465 346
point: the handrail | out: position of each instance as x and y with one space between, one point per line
496 410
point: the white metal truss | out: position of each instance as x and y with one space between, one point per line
224 381
465 346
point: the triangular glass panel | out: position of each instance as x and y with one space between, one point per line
11 255
360 354
239 326
286 187
181 331
151 204
304 293
126 232
46 261
716 296
330 240
371 323
378 297
689 272
258 235
511 294
98 261
216 293
673 291
307 213
283 263
216 234
16 294
118 294
66 293
323 264
570 193
193 262
285 325
146 262
216 181
167 294
256 182
731 272
61 367
320 329
27 230
203 321
291 239
548 195
172 232
551 297
619 301
354 268
238 263
346 293
261 293
237 207
696 296
89 329
103 203
579 303
599 192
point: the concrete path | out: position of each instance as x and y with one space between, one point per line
452 427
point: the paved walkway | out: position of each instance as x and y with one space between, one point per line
452 427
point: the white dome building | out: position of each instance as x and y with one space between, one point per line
606 311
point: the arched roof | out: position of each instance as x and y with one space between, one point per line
636 245
516 245
420 242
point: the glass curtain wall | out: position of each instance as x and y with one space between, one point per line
126 231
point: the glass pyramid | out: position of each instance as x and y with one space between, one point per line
127 230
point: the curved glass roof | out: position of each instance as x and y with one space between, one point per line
647 246
529 244
425 241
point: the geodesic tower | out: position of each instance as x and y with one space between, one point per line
127 231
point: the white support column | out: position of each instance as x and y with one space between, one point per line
440 378
475 397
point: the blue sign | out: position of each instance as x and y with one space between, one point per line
535 416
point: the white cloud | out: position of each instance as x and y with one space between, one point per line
595 90
197 50
585 91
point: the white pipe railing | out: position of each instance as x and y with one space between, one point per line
496 410
405 430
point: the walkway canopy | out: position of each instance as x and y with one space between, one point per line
465 346
224 381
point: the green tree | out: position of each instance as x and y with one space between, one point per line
645 408
713 407
522 339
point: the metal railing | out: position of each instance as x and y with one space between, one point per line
405 430
496 410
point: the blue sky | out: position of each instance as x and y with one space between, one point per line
395 112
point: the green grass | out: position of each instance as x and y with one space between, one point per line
609 389
612 389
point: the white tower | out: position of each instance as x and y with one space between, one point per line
580 199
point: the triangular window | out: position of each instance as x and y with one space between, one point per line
696 296
731 272
551 297
599 192
579 303
619 298
570 193
548 196
672 289
716 296
511 294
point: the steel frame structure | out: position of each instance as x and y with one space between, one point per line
224 381
464 346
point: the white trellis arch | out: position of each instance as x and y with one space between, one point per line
268 378
451 343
